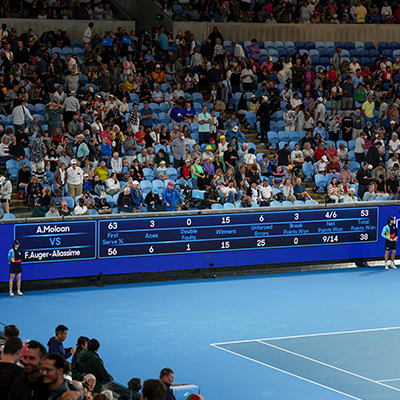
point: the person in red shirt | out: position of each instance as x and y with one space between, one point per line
365 72
334 165
139 136
319 152
332 74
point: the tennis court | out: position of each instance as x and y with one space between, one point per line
315 335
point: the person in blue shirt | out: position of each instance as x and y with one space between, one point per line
137 197
55 343
235 132
105 152
14 259
147 115
262 91
320 129
389 233
163 38
172 198
177 114
189 113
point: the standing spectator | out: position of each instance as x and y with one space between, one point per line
9 370
38 150
74 179
6 191
21 115
55 343
88 35
178 149
205 120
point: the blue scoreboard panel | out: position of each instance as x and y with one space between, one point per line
232 232
125 244
49 242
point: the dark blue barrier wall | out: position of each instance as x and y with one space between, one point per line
177 241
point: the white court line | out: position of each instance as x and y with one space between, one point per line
328 365
311 335
288 373
389 380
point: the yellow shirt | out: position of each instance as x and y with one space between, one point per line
102 173
369 109
361 13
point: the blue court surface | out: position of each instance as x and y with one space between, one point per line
327 335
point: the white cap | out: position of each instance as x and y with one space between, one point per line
235 129
392 122
325 158
370 166
73 161
135 183
320 99
265 98
2 179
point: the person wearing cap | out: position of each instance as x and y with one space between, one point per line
80 208
390 234
321 166
15 259
74 179
231 157
171 198
158 75
137 197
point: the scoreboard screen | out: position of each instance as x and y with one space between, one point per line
145 242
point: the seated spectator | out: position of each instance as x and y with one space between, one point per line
322 166
300 191
344 187
334 190
334 166
351 197
112 185
88 199
80 208
370 194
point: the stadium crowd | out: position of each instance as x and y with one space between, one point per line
31 372
133 123
272 12
58 9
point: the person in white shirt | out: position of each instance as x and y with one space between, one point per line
354 66
112 185
74 179
80 208
237 50
322 166
246 77
87 36
20 115
116 163
266 192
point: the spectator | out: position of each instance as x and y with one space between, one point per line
9 369
89 362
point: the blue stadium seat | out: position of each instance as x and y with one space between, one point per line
309 45
339 45
299 45
394 45
383 46
349 46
